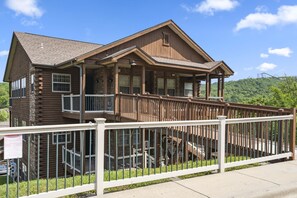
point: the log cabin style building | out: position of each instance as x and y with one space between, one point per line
61 81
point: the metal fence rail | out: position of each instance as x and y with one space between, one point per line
93 103
60 160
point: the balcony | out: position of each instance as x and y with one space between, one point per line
95 105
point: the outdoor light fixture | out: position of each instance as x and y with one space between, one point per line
132 63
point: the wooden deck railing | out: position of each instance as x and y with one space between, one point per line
169 108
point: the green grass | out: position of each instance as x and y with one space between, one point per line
112 175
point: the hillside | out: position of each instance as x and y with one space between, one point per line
244 90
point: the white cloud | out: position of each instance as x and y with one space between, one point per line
25 7
262 55
4 53
262 20
211 6
281 51
266 66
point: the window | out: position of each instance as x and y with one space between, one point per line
15 122
160 86
188 89
135 137
171 87
124 84
165 39
61 82
23 87
61 137
15 88
136 84
32 83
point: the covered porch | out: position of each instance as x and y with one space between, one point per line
132 71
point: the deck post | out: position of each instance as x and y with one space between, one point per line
207 87
280 132
99 154
293 134
221 143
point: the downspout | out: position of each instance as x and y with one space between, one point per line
81 134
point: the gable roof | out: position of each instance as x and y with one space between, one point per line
160 61
168 23
44 50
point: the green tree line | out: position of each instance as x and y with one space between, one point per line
4 101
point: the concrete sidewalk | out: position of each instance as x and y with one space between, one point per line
273 180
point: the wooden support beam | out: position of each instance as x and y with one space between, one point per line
131 80
105 80
165 84
194 86
116 78
222 86
219 87
207 87
143 80
83 93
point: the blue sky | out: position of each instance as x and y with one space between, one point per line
251 36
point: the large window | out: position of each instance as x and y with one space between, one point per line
136 84
61 136
124 83
61 82
171 87
188 89
160 86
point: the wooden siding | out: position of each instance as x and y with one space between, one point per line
152 43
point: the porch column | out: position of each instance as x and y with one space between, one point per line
105 80
194 86
219 87
116 88
131 80
222 86
82 93
82 114
116 79
207 87
165 84
143 80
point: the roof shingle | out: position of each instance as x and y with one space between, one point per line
44 50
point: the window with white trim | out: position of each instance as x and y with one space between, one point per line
15 88
23 87
61 136
61 82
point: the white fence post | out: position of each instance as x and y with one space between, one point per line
63 103
221 143
99 156
71 103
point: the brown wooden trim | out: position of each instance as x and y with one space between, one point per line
207 92
222 86
143 80
83 94
293 134
194 86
